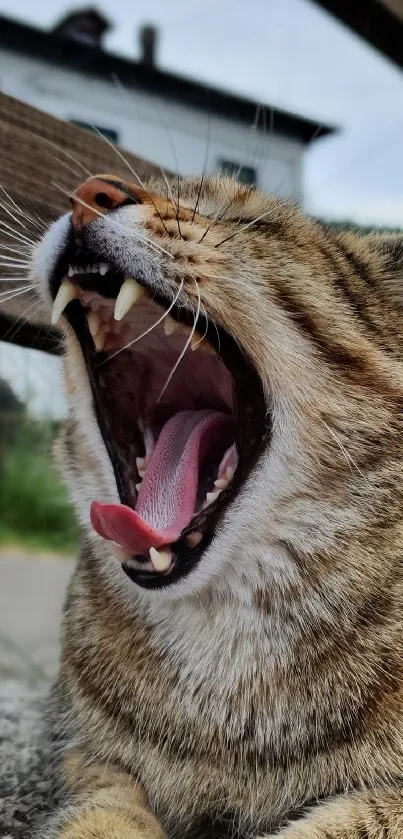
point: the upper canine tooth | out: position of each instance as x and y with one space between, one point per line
71 271
67 291
170 325
130 292
161 560
94 322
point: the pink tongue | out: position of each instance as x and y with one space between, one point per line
167 497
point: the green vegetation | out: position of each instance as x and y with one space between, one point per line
34 508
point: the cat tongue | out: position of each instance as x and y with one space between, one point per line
167 497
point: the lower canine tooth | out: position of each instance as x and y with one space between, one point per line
94 322
119 553
67 291
130 292
161 560
170 325
211 496
99 339
141 464
195 341
194 539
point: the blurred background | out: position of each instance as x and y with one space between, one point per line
301 98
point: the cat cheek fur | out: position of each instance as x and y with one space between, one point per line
270 676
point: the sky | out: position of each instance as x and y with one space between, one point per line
286 53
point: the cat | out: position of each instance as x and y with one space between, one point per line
232 636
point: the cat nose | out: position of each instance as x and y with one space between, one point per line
94 198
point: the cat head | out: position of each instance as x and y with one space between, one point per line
234 375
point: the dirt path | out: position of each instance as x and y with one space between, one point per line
31 595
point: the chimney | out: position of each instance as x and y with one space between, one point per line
85 25
148 35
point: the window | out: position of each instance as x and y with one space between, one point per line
110 133
243 174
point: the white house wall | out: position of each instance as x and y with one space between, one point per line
172 135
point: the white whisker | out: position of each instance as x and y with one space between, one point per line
130 168
16 250
150 329
63 151
8 211
191 333
151 245
10 260
17 235
349 460
245 227
3 299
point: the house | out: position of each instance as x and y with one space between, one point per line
173 121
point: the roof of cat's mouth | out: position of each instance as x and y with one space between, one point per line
180 409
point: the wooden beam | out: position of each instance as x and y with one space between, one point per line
379 23
38 151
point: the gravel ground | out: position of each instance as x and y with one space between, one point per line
32 590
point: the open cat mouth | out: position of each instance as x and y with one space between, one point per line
180 409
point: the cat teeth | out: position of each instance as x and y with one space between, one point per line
98 330
94 322
100 338
161 560
101 268
220 483
119 552
130 292
67 292
197 341
141 464
170 325
194 539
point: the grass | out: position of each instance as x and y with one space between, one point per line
34 509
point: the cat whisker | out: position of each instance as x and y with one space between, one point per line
15 234
10 260
208 138
245 227
130 168
187 344
16 250
61 150
5 296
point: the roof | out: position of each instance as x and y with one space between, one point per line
83 58
379 22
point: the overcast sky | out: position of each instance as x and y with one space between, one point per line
287 53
